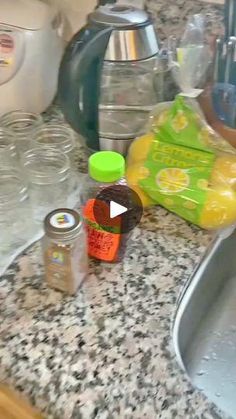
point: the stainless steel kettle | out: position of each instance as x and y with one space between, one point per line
106 80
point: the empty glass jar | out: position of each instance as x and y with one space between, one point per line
22 126
8 155
15 212
59 137
48 174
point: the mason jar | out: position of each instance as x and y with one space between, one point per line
60 137
15 211
48 174
22 126
8 155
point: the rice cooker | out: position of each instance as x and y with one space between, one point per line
30 55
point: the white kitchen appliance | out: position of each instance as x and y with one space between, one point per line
30 55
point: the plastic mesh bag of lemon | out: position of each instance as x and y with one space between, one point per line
181 163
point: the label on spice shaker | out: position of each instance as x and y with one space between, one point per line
102 245
58 267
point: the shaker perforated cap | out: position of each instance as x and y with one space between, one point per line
119 15
63 224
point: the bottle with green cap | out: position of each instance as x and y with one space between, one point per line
106 169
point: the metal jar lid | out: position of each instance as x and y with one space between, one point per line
63 224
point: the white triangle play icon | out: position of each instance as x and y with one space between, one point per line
116 209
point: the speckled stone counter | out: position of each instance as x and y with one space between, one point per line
107 353
171 16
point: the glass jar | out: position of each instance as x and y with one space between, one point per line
106 170
15 212
8 155
21 125
57 136
48 174
65 250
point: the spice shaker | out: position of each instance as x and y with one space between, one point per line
65 250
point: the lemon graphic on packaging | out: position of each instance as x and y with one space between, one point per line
172 180
134 173
202 184
190 205
161 119
179 122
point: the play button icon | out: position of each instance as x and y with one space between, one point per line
116 209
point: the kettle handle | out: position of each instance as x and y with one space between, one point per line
80 79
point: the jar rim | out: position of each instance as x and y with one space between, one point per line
42 155
54 135
19 122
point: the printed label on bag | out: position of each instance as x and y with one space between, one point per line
178 178
102 244
180 161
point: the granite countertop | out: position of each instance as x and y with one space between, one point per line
106 353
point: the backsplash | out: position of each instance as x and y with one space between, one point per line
170 15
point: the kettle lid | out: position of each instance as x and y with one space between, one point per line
120 16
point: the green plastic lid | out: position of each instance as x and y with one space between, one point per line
106 166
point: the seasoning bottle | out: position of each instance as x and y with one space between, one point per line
65 250
105 242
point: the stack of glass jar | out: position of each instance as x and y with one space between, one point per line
36 171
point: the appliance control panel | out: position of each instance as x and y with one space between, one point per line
11 52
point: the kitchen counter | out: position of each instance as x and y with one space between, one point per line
107 353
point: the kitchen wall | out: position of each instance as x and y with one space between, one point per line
75 11
169 14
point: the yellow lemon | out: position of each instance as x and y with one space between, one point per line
213 140
220 209
172 180
139 149
224 170
134 173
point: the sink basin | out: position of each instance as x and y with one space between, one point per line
204 330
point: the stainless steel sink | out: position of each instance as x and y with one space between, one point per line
204 330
